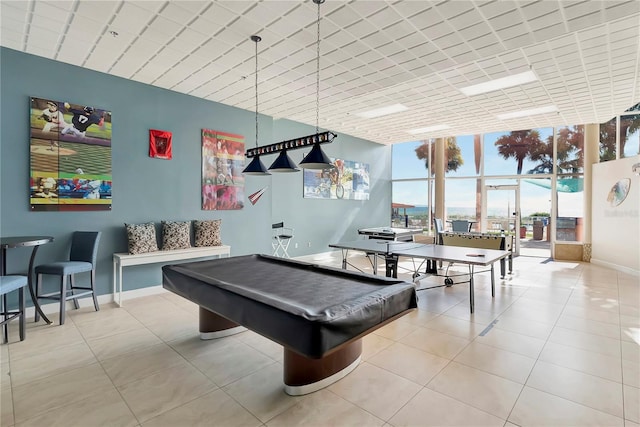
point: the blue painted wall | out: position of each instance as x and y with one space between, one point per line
146 189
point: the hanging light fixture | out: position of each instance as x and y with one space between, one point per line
256 167
316 159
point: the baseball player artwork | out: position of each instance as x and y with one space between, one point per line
70 146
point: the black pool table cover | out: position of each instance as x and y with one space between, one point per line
308 308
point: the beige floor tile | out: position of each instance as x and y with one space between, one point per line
227 364
631 373
410 363
324 408
585 341
453 326
505 364
263 345
523 326
630 322
430 408
53 392
551 295
610 316
104 409
6 407
177 326
513 342
630 351
262 393
396 330
631 404
479 389
191 346
419 317
375 390
142 363
5 374
4 353
114 324
45 338
54 362
213 409
628 423
434 342
372 344
165 390
462 311
523 311
581 324
585 389
107 313
540 409
630 333
585 361
126 342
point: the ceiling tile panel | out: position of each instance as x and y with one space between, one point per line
373 53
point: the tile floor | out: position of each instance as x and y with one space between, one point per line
563 351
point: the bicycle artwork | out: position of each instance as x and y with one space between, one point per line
345 180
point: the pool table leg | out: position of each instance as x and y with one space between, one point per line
214 326
303 375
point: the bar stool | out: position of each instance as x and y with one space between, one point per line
9 284
82 258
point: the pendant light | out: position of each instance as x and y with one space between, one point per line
256 167
317 159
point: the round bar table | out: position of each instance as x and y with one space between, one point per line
25 241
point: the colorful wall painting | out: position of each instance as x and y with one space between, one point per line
70 163
222 165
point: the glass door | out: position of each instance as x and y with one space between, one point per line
501 211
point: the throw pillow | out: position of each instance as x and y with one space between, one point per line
142 238
176 235
207 232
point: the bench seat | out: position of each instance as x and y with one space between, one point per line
125 259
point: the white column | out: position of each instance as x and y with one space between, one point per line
439 163
591 157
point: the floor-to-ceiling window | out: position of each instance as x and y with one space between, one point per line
412 185
545 166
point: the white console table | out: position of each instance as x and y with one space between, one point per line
125 259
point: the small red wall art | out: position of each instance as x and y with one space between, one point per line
160 144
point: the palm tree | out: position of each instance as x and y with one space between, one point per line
519 144
570 152
453 157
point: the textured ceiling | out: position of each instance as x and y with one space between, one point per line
373 54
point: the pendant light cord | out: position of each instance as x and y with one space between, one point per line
318 73
256 39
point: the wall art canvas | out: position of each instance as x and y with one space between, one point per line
222 166
346 180
160 144
70 163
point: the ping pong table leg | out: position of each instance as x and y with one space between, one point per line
471 300
493 282
503 267
345 253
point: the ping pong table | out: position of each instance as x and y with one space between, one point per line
390 251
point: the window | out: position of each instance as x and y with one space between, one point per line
518 152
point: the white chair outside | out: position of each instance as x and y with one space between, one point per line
280 239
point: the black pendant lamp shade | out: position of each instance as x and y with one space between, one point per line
256 167
283 163
316 159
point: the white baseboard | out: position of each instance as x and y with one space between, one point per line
617 267
54 307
